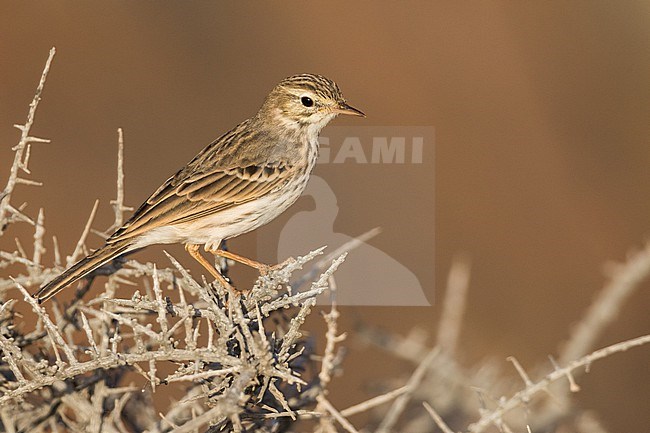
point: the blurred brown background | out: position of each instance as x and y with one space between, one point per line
542 149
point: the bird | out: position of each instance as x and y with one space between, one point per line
237 183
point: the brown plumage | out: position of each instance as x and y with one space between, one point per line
242 180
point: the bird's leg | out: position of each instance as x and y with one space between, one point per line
193 250
261 267
241 259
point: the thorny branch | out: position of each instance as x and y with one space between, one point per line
522 397
243 362
22 150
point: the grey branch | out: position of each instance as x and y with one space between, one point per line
21 158
496 416
244 362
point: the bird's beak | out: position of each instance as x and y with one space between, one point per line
344 108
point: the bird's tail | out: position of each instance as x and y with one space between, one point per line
82 268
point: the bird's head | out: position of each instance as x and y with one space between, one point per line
307 102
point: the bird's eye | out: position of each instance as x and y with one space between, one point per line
307 101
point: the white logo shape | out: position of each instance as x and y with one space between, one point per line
368 276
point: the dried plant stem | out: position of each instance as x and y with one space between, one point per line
454 305
118 204
399 405
21 157
437 419
332 338
336 414
79 248
243 362
374 402
626 278
495 417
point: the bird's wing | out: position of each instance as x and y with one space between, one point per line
201 195
213 181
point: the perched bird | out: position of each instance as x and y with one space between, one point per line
239 182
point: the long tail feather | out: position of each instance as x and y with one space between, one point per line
82 268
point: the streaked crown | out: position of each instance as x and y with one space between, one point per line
305 100
319 85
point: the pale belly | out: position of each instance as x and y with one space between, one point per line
212 229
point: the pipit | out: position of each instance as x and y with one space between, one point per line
239 182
